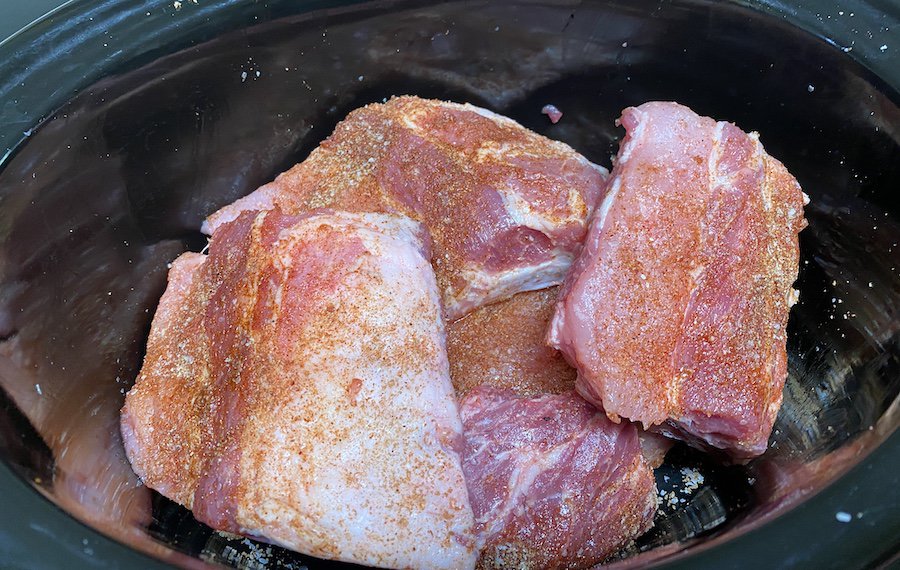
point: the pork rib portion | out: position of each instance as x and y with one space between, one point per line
502 345
675 311
505 207
553 482
296 388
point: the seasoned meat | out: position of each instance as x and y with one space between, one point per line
675 311
553 482
505 207
296 388
502 345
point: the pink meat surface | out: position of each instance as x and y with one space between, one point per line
552 113
553 482
675 311
506 208
296 388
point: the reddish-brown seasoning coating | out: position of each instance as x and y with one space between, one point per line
675 311
502 345
553 482
296 388
505 207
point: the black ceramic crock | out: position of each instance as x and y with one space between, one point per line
123 124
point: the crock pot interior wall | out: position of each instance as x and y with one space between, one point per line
113 185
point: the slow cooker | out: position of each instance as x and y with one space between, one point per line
123 124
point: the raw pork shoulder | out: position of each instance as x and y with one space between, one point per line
553 482
502 345
675 311
506 208
296 388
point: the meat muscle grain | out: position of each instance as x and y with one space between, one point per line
675 311
296 388
553 482
505 207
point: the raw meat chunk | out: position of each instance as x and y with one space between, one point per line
553 482
675 311
505 207
502 345
296 388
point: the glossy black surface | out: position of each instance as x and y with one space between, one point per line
151 122
15 15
